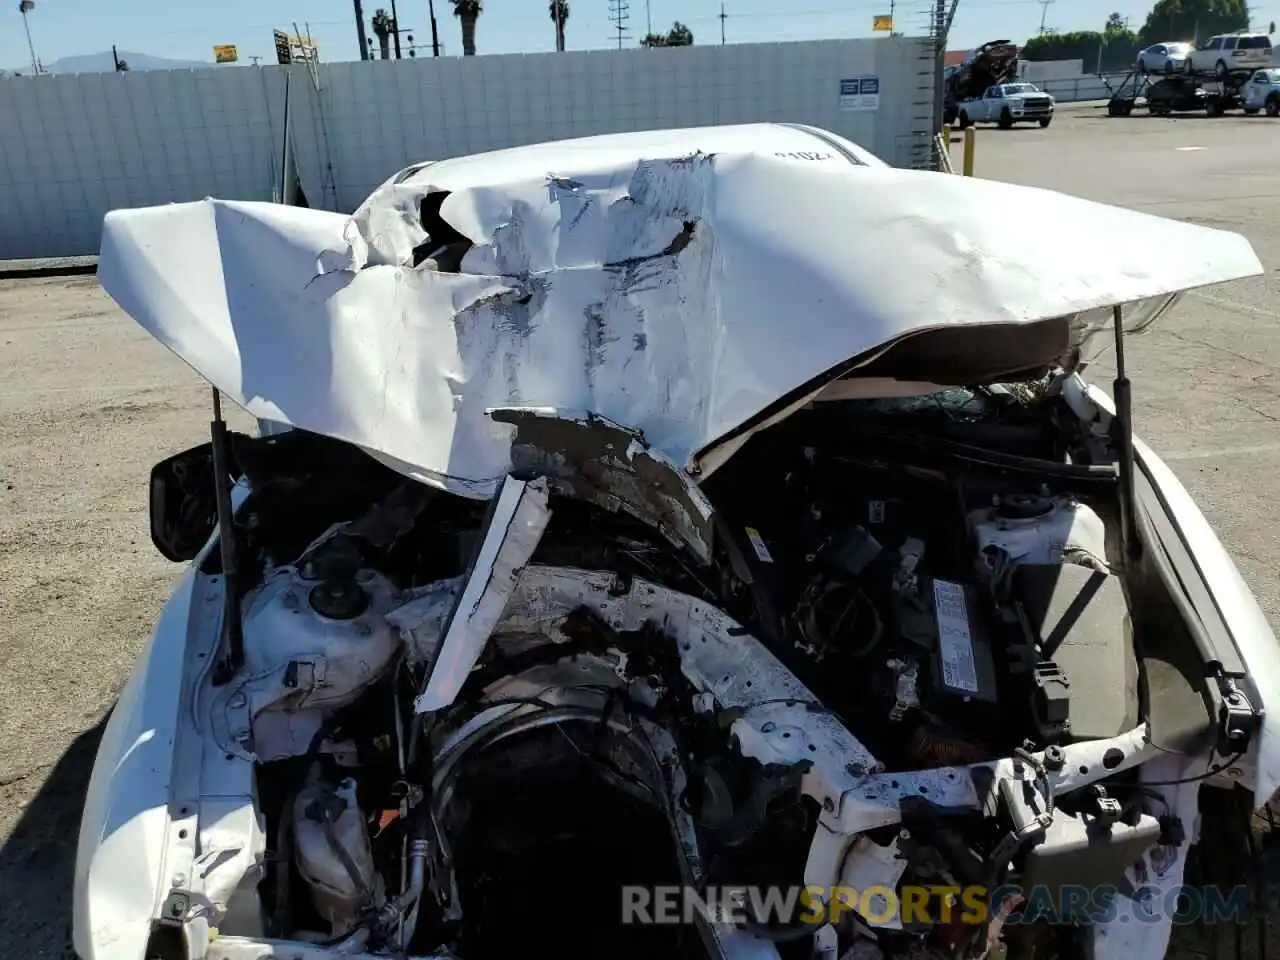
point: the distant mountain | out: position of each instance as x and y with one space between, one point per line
103 63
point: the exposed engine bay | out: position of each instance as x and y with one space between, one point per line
909 658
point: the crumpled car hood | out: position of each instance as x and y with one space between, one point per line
685 284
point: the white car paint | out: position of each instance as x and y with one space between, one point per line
119 881
1024 102
1230 53
378 361
1244 617
567 280
1164 57
1262 92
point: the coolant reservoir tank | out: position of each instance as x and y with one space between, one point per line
328 829
1031 528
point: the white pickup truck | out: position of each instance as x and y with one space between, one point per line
1007 104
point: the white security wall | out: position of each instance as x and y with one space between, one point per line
382 116
1040 70
74 147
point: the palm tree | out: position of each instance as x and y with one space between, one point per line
382 28
468 12
560 14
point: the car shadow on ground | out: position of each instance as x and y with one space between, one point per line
37 861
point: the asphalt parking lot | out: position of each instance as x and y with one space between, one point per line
1207 376
88 402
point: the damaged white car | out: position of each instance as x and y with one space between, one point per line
713 509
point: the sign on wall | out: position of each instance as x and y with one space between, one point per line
860 93
284 52
882 23
225 53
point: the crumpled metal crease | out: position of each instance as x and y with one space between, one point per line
681 293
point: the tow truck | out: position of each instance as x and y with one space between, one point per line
1163 96
985 89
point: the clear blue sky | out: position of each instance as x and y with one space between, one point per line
189 30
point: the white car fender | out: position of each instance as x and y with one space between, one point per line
125 826
1240 611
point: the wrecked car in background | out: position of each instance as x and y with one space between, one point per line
713 509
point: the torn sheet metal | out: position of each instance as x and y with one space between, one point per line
778 719
684 284
516 523
587 457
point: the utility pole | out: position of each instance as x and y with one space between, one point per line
1044 9
24 7
723 17
619 14
435 33
395 27
360 35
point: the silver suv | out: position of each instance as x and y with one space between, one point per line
1229 53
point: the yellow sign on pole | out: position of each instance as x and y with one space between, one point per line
882 23
225 53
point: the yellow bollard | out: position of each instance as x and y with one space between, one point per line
968 151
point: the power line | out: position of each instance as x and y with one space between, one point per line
620 16
913 7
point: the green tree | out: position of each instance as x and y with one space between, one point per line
559 10
1194 20
382 28
1109 51
678 36
468 12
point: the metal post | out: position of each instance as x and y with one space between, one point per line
969 140
24 6
1122 437
360 34
232 628
723 15
1044 9
939 28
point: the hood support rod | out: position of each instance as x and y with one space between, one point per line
1122 439
232 630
